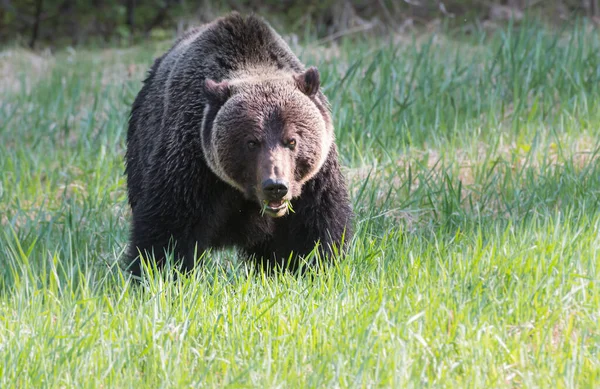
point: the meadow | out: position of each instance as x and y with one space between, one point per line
474 173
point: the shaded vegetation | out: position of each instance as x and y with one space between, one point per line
101 22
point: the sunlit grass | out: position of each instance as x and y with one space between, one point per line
473 168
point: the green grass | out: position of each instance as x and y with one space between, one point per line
474 171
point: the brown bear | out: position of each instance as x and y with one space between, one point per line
231 144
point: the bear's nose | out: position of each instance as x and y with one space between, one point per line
275 189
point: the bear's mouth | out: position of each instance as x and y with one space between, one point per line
274 208
275 205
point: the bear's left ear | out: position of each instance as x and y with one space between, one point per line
309 81
217 92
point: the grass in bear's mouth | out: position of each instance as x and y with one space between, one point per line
474 174
266 206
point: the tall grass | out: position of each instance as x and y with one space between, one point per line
474 174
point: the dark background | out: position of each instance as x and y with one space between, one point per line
55 23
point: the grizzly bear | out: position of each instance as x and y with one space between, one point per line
231 144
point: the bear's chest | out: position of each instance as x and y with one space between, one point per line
241 225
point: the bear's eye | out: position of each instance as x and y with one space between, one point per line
252 144
291 144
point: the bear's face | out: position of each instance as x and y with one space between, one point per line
266 137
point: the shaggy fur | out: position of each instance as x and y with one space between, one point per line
228 106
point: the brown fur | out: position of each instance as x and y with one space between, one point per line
269 112
226 110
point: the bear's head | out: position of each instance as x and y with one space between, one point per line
267 135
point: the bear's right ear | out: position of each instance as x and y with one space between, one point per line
217 92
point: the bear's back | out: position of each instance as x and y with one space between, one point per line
223 49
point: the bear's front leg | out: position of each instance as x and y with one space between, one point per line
325 223
323 215
154 240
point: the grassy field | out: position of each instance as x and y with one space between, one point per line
474 170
